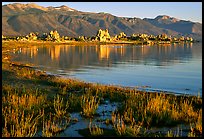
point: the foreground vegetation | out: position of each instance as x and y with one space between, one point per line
33 101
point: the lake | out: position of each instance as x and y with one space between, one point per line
176 68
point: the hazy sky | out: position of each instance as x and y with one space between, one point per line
182 10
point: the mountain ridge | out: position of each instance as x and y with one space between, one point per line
21 19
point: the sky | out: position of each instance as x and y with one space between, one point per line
182 10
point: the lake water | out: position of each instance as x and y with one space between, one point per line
176 68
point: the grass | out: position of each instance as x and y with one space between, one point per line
60 107
95 130
19 124
33 101
89 105
119 124
123 128
178 133
54 125
26 101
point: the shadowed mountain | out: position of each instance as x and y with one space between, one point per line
181 26
21 19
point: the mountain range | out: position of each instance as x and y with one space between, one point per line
21 19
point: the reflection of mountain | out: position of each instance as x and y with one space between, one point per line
74 57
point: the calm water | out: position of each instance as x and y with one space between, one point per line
176 68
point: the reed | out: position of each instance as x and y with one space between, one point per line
60 107
134 130
89 105
196 127
20 124
26 101
151 109
118 124
95 130
54 125
177 133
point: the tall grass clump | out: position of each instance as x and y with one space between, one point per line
23 98
125 129
118 124
196 127
187 111
177 133
95 130
21 111
60 107
89 105
19 124
159 109
54 123
51 126
26 101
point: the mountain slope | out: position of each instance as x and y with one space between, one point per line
180 26
21 19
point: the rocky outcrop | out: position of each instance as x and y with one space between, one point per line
32 36
103 35
120 36
52 36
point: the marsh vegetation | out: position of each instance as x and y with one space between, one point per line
37 104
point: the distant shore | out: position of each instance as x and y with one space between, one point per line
95 42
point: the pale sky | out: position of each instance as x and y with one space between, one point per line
182 10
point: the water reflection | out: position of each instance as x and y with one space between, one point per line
146 63
104 55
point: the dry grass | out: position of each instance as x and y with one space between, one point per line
89 105
122 128
95 130
155 109
118 124
60 107
196 127
20 111
19 124
53 126
26 101
25 72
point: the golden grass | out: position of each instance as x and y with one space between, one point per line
26 101
153 109
52 126
17 124
177 133
118 124
24 72
60 107
196 127
89 105
122 128
95 130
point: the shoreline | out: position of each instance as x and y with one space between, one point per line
99 43
148 89
8 57
25 88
